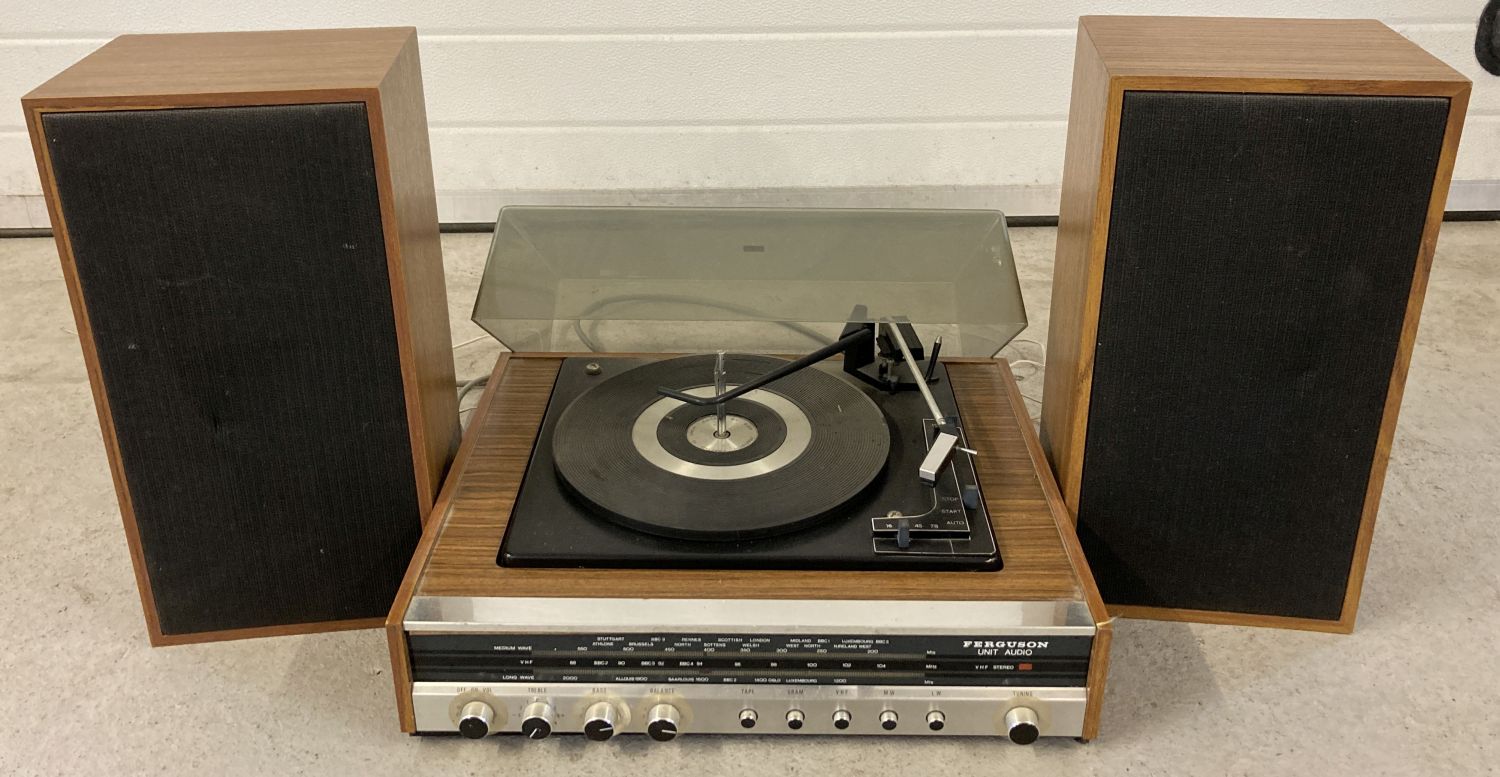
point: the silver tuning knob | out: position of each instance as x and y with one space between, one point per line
1022 725
889 719
599 721
538 720
662 722
475 720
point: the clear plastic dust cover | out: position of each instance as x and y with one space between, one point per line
767 280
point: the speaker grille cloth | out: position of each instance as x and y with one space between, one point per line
1261 250
233 268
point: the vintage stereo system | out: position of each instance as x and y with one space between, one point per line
863 540
749 471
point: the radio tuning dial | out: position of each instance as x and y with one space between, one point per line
538 720
475 720
1022 725
662 722
599 721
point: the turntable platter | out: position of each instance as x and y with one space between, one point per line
793 450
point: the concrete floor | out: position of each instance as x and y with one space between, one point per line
1413 691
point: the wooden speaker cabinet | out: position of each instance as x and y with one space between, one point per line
249 237
1248 216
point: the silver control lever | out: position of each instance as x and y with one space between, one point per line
937 457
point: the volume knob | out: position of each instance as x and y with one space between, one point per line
599 721
475 720
537 720
662 722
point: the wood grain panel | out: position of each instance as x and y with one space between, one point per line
1360 54
462 562
414 252
236 66
1078 271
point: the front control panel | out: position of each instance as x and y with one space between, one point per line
664 711
1017 670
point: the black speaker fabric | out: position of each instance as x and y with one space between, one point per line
232 264
1260 254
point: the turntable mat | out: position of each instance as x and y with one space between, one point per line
595 456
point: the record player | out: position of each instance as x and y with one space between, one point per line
750 471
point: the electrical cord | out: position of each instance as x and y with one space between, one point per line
468 386
1039 364
593 345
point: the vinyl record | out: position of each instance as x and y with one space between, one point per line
795 449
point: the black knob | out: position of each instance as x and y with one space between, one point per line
888 720
841 719
1022 725
748 718
474 720
537 720
536 728
794 719
661 723
599 721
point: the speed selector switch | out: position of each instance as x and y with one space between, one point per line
662 722
475 720
537 720
599 721
1022 725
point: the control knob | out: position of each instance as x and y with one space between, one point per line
537 720
1022 725
841 719
662 722
475 720
888 720
599 721
748 718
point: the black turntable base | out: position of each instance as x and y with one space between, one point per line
813 471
